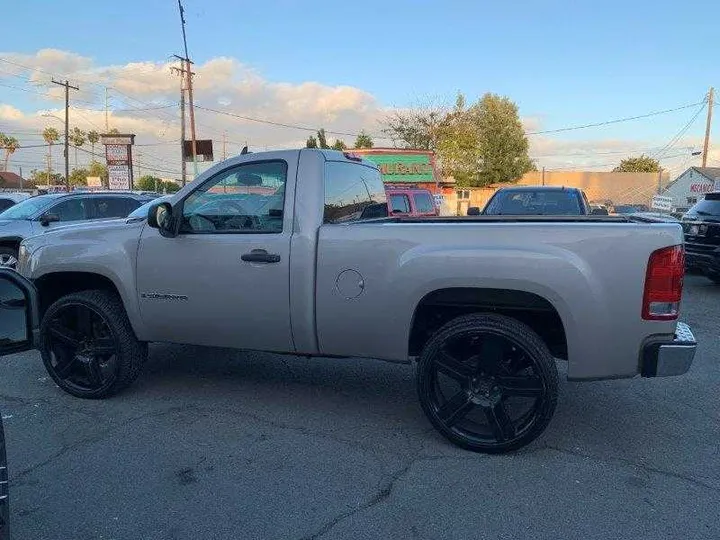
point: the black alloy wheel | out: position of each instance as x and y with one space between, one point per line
488 383
88 346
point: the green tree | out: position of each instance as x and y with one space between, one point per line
339 145
51 136
98 169
322 139
93 138
77 139
41 178
311 142
642 163
483 144
78 176
363 140
170 187
9 144
149 183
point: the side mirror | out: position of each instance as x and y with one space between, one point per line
473 211
599 212
47 219
160 217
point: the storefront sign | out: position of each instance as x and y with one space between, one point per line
118 155
403 167
701 187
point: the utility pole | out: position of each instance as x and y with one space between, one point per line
224 145
49 172
543 176
67 86
107 126
181 72
706 145
189 88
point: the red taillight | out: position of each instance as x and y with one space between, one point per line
663 284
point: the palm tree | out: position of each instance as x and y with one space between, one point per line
93 138
51 136
9 144
77 138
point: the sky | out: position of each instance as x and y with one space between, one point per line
346 66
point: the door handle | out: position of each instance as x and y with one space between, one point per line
260 256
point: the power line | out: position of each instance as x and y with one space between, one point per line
615 121
680 133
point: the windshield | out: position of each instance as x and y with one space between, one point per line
29 208
533 203
142 211
705 207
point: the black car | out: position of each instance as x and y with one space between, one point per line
538 201
701 225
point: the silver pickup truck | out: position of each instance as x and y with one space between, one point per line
293 252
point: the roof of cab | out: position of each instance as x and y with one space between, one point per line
538 188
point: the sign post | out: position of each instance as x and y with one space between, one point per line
118 155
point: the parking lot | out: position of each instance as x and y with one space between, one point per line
221 444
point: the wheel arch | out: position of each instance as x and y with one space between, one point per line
53 285
439 306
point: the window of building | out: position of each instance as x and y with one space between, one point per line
463 194
691 200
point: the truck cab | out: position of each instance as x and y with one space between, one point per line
413 202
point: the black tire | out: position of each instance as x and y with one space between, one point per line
115 370
501 362
7 253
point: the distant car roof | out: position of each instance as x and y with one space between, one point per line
538 188
16 197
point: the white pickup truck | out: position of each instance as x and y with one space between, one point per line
293 252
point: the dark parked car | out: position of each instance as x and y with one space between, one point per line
538 201
37 215
701 225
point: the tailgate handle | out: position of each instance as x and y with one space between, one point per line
260 256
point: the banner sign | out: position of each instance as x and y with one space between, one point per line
398 168
118 156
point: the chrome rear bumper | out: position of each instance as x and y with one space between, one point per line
670 358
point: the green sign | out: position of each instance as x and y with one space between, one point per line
399 168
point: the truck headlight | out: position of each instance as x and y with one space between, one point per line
23 256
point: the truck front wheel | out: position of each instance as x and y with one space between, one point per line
488 383
88 346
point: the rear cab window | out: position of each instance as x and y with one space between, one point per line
353 192
707 207
533 203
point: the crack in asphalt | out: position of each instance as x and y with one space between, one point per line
18 477
385 491
628 462
381 495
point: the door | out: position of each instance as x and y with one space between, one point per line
112 206
224 280
18 312
66 212
424 204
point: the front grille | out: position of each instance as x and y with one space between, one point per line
695 247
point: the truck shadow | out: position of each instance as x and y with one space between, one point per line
630 421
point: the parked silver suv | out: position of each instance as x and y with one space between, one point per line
44 212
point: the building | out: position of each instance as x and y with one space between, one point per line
612 188
413 168
691 186
11 181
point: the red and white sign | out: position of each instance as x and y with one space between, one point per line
702 187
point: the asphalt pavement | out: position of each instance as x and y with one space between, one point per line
217 444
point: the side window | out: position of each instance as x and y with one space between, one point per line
112 207
71 210
243 199
353 192
424 203
400 203
5 204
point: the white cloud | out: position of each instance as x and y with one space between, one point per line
143 97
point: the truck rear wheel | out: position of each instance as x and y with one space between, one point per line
88 346
488 383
